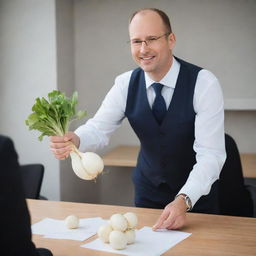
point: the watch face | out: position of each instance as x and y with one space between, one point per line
188 202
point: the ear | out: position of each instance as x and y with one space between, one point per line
172 41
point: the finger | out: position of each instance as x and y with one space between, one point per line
61 156
161 219
69 136
56 139
72 137
168 222
60 145
174 225
179 223
61 151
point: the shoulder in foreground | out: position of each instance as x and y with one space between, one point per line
5 142
4 139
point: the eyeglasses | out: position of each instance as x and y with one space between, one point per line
150 41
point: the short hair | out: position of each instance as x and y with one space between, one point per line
163 16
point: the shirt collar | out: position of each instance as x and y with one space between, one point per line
169 79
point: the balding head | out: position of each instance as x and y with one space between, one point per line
162 15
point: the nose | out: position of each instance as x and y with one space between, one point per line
144 47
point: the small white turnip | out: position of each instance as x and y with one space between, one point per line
131 219
72 222
118 222
130 235
117 240
104 232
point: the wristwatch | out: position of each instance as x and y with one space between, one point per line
186 200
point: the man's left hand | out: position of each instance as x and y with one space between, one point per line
173 215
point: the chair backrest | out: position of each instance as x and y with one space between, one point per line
234 198
32 176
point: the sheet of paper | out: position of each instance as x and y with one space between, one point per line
147 243
52 228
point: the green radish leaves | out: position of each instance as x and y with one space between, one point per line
54 116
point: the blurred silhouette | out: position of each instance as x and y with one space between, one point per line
15 234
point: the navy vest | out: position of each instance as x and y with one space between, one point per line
166 153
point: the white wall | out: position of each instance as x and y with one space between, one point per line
27 71
241 125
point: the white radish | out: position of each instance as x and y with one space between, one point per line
117 240
130 235
78 167
72 222
118 222
104 232
87 165
131 219
92 163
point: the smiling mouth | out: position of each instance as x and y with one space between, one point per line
147 58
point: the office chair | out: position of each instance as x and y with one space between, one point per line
234 197
32 176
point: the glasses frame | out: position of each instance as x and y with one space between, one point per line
149 41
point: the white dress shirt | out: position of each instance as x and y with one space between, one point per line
208 105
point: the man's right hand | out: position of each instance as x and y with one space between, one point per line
61 146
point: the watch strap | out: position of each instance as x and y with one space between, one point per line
187 201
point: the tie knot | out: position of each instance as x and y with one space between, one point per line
158 88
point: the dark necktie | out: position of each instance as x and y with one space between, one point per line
159 106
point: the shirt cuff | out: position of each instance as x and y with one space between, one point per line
82 145
192 191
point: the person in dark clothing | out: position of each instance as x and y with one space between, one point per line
15 232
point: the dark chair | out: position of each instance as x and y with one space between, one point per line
235 199
32 176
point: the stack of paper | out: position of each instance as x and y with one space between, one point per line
147 242
52 228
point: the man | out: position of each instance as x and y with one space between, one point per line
15 234
176 110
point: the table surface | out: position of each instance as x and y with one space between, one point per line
211 234
126 156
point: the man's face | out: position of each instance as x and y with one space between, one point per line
154 57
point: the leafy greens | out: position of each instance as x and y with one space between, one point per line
53 117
